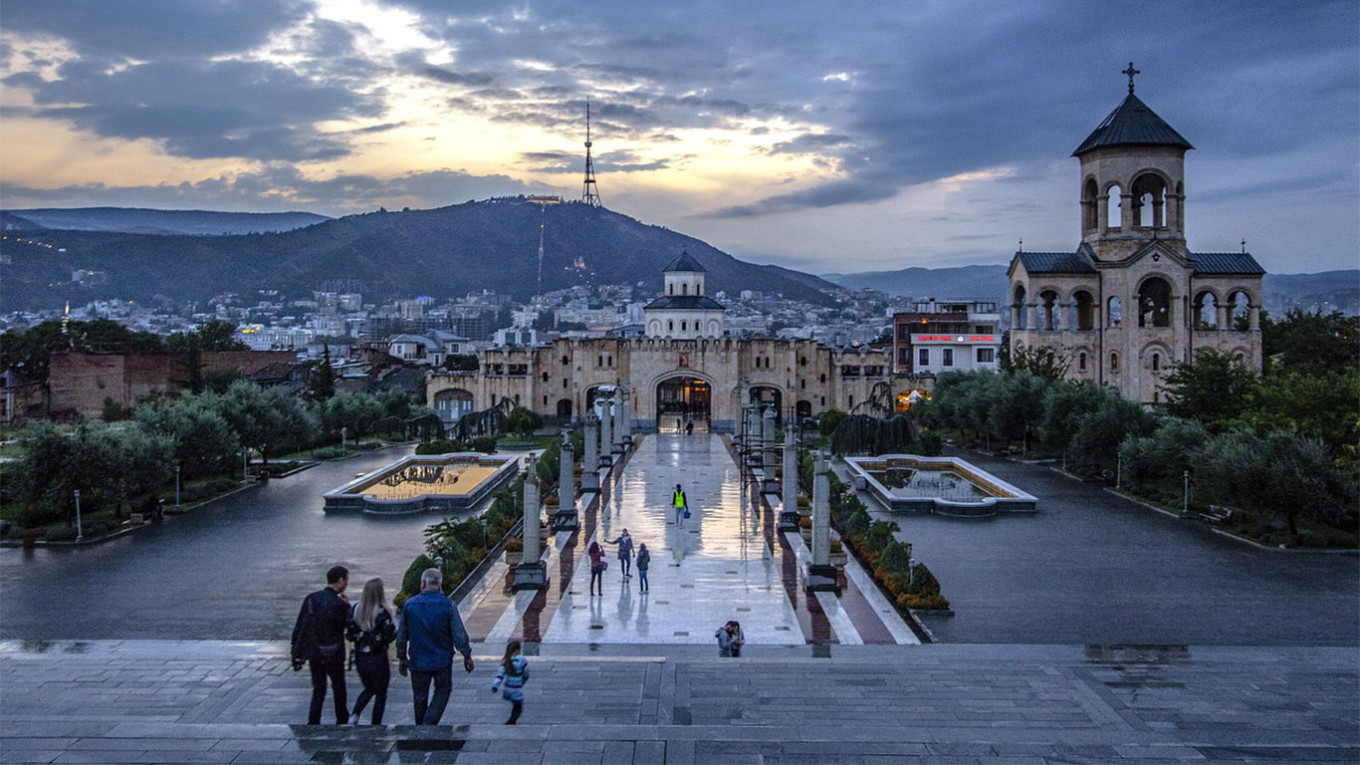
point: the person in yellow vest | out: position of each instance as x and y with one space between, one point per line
681 504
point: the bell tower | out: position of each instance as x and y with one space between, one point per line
1132 180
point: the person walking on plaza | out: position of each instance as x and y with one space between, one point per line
625 543
319 642
372 630
644 559
510 679
597 566
429 631
681 503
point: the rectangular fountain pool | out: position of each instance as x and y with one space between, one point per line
941 485
415 484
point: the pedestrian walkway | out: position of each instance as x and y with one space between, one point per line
725 562
237 702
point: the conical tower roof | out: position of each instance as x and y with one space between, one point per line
1132 123
683 263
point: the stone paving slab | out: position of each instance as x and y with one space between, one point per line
680 704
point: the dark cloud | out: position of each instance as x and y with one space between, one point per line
250 109
152 30
455 78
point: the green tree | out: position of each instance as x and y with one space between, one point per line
828 421
271 420
1311 343
1041 361
204 445
1213 389
1018 406
523 421
322 377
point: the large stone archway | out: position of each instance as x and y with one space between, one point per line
682 399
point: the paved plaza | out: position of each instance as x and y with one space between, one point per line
168 645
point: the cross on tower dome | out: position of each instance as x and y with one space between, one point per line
1130 72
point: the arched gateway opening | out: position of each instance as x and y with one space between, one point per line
683 400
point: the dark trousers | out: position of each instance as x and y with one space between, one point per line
515 708
333 670
429 710
375 673
595 574
642 580
625 563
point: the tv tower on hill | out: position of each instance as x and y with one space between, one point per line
588 193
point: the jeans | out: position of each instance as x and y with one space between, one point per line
595 575
429 710
642 580
375 672
515 708
625 564
332 669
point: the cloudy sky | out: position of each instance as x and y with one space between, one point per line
844 136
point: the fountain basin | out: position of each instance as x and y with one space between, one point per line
941 485
444 482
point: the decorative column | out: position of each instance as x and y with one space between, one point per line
626 417
788 510
566 518
767 430
606 432
590 460
532 574
821 574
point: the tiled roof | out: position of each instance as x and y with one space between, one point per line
1055 263
1132 123
684 263
685 302
1225 263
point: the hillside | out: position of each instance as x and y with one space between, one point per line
445 252
143 221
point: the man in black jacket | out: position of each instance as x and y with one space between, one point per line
319 641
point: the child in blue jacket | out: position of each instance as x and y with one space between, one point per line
510 679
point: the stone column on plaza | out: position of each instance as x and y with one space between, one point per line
590 460
566 518
532 574
606 432
821 575
788 511
626 417
767 433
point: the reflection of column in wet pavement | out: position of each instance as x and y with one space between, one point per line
590 468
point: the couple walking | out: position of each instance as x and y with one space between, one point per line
598 564
427 635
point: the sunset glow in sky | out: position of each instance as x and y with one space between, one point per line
825 137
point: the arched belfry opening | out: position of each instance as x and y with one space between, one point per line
1149 201
1090 205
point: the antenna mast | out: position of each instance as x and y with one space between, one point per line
588 193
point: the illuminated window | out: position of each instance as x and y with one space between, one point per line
923 357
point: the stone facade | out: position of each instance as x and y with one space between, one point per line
799 377
1133 300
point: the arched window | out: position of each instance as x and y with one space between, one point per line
670 326
1114 312
1050 310
1239 311
684 289
1081 362
1154 303
1206 311
683 326
1021 311
1086 313
1114 213
1089 211
670 289
1114 362
1149 201
545 377
1156 362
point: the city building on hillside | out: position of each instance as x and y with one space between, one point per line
1132 300
946 336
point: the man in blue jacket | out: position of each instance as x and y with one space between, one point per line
429 631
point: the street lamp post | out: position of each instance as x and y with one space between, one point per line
177 487
80 532
344 440
1185 500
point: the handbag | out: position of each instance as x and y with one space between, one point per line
687 512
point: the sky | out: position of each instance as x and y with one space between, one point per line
827 137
